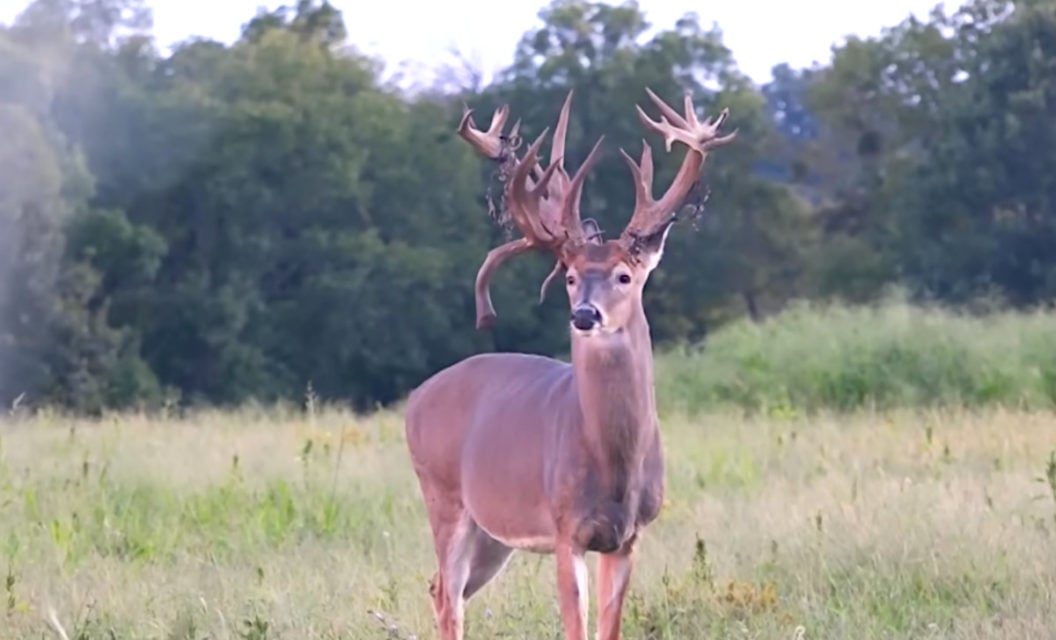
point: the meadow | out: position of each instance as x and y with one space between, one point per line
898 512
916 524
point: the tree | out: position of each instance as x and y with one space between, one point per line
263 203
319 23
54 344
977 213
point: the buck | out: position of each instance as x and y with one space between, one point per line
516 451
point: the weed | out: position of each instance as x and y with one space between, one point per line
255 628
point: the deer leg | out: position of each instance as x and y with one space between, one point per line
439 586
436 595
470 559
614 575
489 556
451 527
572 591
454 573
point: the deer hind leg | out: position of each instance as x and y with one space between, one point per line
454 549
436 594
614 576
473 558
452 533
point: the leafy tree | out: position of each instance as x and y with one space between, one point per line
931 164
978 212
54 343
320 23
876 106
271 197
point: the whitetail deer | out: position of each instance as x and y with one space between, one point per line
516 451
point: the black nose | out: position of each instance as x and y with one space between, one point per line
584 318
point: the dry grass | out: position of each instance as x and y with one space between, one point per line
247 525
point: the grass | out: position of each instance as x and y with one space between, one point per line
847 358
279 524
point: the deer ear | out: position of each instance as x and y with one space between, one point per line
591 231
652 245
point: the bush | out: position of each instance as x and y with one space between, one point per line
830 357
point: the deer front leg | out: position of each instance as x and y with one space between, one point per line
614 576
572 591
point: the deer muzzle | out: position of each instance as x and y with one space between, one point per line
585 317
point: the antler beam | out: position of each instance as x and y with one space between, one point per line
543 201
651 215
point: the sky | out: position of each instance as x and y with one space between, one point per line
416 37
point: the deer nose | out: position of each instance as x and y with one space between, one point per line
585 317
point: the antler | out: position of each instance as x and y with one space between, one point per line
487 143
651 215
543 201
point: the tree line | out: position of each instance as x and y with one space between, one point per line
224 223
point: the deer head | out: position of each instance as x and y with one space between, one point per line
604 279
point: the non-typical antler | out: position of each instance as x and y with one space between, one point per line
651 215
543 202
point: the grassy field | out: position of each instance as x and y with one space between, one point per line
273 524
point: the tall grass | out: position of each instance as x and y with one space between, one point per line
890 355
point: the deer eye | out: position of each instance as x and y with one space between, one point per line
570 280
624 278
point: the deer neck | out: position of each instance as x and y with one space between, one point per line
614 381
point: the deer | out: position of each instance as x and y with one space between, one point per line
523 452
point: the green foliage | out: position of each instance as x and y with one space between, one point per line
813 358
54 339
931 161
966 226
223 223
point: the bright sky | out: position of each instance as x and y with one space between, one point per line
420 35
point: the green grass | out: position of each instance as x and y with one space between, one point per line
892 355
279 524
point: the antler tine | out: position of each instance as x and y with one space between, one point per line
719 119
670 114
554 272
526 198
654 126
691 111
643 176
714 125
557 147
699 137
570 218
498 120
670 133
524 167
542 186
646 165
487 143
482 287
